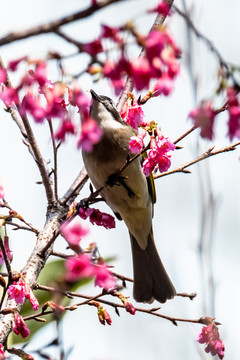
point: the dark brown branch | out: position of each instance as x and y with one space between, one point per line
13 214
40 161
204 156
54 25
89 300
23 123
19 227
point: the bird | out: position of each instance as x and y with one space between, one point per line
130 195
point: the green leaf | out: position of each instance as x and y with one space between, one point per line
52 275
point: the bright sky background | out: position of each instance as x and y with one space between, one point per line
177 213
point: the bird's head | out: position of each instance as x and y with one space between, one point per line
103 110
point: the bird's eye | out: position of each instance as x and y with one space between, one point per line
110 102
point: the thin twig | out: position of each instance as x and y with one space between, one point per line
59 254
6 260
40 161
15 215
54 25
89 301
54 159
9 270
208 42
184 135
204 156
19 227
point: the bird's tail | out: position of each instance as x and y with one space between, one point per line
151 280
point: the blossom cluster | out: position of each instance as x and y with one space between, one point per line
158 156
204 116
158 62
43 100
97 217
20 291
19 326
82 265
210 336
36 95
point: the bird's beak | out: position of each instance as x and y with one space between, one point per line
95 96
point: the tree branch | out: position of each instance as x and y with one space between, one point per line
75 188
89 301
33 267
54 25
204 156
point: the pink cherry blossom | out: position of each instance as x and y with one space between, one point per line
66 127
155 43
13 65
82 213
164 86
1 194
115 71
210 336
33 105
9 96
74 231
100 218
203 117
40 73
164 163
17 292
79 267
233 109
136 142
93 48
90 134
78 98
3 75
104 277
7 250
31 297
19 326
148 166
111 32
2 355
164 144
162 8
158 155
132 113
141 73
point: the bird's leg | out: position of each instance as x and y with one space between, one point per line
117 179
